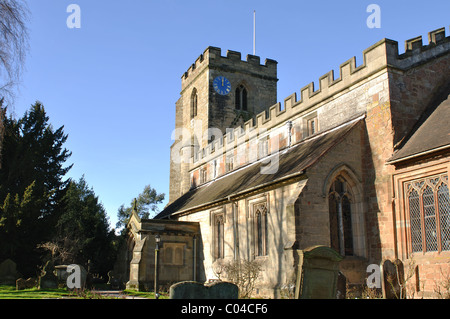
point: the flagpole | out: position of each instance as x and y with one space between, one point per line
254 32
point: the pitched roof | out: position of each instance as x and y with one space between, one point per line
432 135
291 163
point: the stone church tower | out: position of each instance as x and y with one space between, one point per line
217 93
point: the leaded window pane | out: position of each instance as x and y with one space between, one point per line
415 220
429 209
341 227
444 215
261 229
347 223
334 223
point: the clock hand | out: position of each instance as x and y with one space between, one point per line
222 80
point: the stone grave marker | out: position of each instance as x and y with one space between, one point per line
341 289
197 290
25 284
392 279
317 275
8 272
48 279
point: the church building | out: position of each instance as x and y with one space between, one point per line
359 164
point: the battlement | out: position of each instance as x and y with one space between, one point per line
212 55
376 60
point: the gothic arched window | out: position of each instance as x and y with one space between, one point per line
241 98
341 227
219 229
428 204
260 211
194 99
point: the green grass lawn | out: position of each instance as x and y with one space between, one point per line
143 294
10 292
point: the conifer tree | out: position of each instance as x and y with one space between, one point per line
31 184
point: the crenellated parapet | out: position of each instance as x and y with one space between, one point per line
212 57
376 59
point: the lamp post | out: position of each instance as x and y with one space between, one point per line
157 240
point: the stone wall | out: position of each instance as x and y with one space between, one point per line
279 264
431 269
178 252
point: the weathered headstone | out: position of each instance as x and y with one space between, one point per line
113 281
317 275
341 290
77 277
61 273
25 284
84 277
197 290
48 279
8 272
392 281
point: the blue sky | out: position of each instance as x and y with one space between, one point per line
113 83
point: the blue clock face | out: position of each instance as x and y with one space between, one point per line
222 85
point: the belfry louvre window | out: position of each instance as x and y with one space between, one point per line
428 210
241 98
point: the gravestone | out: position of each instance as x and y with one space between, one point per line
341 289
83 280
48 279
317 275
25 284
197 290
61 273
114 281
8 272
392 279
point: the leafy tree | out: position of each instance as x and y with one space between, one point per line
31 184
146 202
83 232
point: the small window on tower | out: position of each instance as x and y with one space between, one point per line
203 175
312 126
263 147
229 163
241 98
194 99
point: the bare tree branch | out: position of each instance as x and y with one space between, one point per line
14 45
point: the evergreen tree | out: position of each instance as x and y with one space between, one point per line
31 185
83 229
